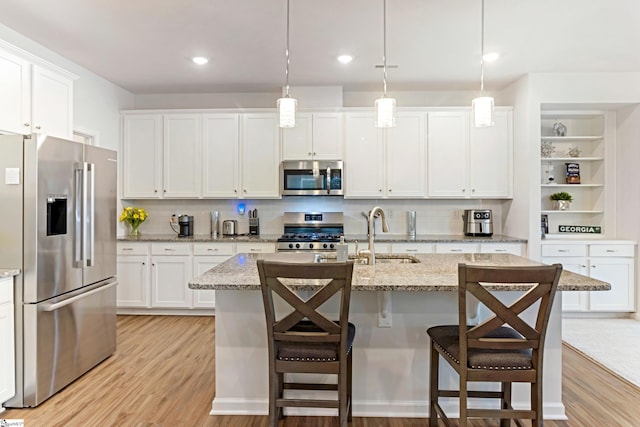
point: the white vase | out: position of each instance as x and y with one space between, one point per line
562 205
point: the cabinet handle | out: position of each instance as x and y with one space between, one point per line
563 250
593 266
456 250
27 125
501 250
212 250
169 249
38 127
411 250
127 249
255 250
611 250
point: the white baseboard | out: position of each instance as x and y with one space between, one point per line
408 409
165 311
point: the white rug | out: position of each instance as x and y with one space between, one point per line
614 343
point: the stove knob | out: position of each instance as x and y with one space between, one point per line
324 246
310 245
290 245
297 245
331 246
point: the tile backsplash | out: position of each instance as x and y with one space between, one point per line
432 216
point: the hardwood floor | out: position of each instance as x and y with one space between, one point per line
162 374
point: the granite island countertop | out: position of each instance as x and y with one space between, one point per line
8 272
379 237
434 272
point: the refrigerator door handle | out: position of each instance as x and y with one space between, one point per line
58 305
78 252
91 217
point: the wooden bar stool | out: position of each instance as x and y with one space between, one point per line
503 348
305 340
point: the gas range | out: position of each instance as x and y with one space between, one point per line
311 231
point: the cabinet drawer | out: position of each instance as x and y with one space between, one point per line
611 250
133 249
409 248
457 248
501 248
170 249
265 248
564 250
213 249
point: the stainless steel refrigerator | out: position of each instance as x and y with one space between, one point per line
58 225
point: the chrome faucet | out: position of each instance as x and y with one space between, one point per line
370 252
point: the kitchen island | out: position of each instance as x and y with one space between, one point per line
392 305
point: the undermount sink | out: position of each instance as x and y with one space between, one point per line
380 259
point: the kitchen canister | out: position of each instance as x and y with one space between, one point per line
411 224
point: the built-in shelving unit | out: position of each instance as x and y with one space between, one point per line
586 143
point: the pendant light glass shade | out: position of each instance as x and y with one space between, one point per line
482 109
385 107
287 111
385 112
286 105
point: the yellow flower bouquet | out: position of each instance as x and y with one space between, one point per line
134 217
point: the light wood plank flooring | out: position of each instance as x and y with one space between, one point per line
163 375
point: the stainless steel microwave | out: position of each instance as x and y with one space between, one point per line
312 178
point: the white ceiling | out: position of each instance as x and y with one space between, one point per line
145 46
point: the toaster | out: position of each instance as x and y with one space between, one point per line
478 222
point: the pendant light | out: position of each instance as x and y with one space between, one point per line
385 107
287 105
482 107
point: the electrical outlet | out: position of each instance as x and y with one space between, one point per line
173 219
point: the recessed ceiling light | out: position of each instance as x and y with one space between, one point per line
200 60
491 56
345 59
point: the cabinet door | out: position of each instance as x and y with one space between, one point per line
142 156
328 136
52 103
170 276
363 157
405 156
15 94
572 300
447 154
205 298
260 153
296 141
182 155
491 158
7 359
221 161
133 281
619 272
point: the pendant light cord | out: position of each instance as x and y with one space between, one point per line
482 51
384 48
287 54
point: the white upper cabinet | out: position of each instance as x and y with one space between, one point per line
364 169
15 94
34 97
52 103
260 155
448 156
316 136
142 156
385 163
469 162
405 156
220 155
182 155
491 158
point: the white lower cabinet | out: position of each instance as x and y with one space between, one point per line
170 275
205 257
7 340
610 262
133 275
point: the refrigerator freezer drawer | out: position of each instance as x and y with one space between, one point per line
66 338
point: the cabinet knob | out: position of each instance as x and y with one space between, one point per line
380 190
27 125
464 189
309 152
235 191
245 190
155 191
144 263
314 153
389 190
164 191
38 127
473 190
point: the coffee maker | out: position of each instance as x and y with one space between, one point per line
186 225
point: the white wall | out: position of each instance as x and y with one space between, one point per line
96 102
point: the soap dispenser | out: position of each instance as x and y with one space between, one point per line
342 250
